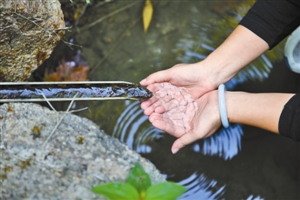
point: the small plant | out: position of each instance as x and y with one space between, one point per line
138 187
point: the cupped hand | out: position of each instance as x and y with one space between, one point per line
176 112
196 78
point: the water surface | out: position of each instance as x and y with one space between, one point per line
240 162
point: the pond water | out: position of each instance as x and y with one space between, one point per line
240 162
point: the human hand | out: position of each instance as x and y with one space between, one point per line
174 110
196 78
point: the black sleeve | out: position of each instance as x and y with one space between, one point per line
289 121
273 20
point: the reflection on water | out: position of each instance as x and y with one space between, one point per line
133 128
234 163
130 128
200 188
252 197
225 143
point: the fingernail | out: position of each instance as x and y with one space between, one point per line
143 81
175 150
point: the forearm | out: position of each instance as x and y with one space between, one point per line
273 20
261 110
238 50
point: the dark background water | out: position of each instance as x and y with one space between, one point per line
241 162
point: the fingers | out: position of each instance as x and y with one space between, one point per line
148 103
157 77
152 105
162 105
184 140
150 110
162 76
171 126
160 100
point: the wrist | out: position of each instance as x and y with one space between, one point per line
217 71
209 76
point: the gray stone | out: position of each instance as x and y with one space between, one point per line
77 157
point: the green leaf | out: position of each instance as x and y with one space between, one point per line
88 1
139 178
115 191
165 191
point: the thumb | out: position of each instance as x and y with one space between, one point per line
181 142
157 77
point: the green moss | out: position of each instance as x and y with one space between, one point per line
36 132
5 171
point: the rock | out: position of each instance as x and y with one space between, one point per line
77 157
29 30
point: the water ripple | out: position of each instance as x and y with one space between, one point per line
132 129
226 143
198 187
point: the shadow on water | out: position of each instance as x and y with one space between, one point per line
240 162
